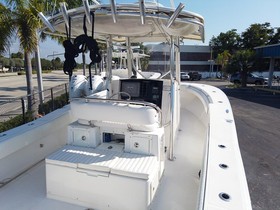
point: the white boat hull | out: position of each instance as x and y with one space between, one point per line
206 121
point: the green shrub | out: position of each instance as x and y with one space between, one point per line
15 122
46 108
21 73
46 71
34 72
50 105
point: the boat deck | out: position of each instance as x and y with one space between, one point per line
178 187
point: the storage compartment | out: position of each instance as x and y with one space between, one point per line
147 143
113 138
102 179
139 144
82 135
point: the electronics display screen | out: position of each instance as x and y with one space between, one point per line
142 90
132 88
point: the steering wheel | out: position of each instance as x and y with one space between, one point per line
125 93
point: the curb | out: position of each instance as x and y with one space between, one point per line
273 91
8 74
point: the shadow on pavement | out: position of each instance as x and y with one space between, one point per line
255 96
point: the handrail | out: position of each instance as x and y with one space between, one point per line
143 103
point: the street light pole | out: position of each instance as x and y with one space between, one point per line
53 60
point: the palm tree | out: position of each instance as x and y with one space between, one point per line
19 18
6 31
245 59
223 59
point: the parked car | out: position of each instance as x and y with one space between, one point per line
251 79
194 75
184 76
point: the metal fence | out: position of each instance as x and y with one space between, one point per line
53 98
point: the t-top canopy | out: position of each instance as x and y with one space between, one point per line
142 22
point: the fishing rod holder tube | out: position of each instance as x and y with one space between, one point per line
46 21
142 11
64 13
175 15
87 10
114 10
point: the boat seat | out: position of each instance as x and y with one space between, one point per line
105 162
113 114
102 177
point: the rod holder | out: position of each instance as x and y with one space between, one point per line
64 13
46 21
114 10
175 15
142 11
87 10
95 2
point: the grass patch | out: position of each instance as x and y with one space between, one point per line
234 86
34 72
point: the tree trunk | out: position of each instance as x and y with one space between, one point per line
30 90
39 74
244 77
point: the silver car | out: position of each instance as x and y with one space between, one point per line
184 76
251 79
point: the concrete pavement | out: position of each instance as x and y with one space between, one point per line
13 85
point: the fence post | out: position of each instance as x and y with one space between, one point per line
52 99
23 109
66 92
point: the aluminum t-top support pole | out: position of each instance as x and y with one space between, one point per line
109 65
178 78
177 59
172 59
129 57
172 100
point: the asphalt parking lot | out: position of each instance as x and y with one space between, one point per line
257 119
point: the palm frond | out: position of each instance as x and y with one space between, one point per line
27 25
6 28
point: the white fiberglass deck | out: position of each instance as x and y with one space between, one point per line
177 190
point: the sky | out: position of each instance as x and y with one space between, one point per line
224 15
219 16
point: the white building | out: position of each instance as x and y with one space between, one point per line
193 58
